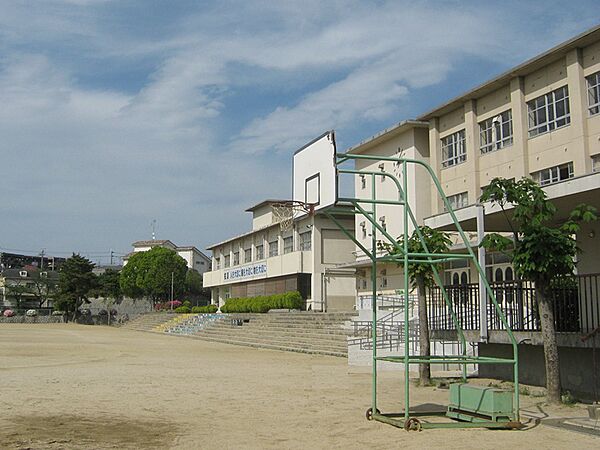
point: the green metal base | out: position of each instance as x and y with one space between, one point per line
414 424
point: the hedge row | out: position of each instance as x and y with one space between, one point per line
209 309
289 300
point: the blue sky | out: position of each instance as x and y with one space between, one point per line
115 113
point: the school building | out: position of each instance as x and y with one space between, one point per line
270 260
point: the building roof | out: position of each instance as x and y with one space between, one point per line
386 134
266 203
586 38
16 272
152 242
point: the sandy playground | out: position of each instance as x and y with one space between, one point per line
71 386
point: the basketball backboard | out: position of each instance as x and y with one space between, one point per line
314 173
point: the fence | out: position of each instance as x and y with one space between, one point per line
575 300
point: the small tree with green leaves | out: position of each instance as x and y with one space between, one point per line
421 277
76 283
149 274
542 252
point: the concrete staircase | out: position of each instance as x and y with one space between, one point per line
149 321
304 332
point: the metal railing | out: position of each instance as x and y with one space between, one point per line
576 304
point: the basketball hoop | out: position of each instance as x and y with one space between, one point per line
283 213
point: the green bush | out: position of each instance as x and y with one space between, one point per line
182 310
187 303
262 304
208 309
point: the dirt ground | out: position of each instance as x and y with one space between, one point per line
70 386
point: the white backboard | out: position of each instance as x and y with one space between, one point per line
314 173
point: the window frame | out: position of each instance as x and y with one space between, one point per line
236 258
288 248
593 89
260 251
454 203
492 132
547 104
274 248
247 251
554 173
456 145
305 245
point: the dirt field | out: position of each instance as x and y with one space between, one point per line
71 386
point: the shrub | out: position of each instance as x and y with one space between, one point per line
262 304
31 313
182 310
208 309
58 313
187 303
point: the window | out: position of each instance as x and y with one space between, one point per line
454 150
248 255
260 252
273 248
593 82
549 112
217 263
227 260
553 174
382 222
496 132
363 227
305 241
458 201
236 258
363 283
384 280
596 163
288 244
363 182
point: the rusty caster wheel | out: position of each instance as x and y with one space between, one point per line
369 413
412 424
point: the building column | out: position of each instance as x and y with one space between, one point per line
435 157
520 128
472 143
582 163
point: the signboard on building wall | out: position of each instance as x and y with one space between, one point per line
245 272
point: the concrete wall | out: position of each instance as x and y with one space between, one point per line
577 371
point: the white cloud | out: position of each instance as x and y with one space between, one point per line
82 157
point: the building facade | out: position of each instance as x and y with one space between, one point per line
268 260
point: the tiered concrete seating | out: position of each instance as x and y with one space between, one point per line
305 332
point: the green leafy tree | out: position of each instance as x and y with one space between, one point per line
76 282
148 274
109 285
542 252
18 291
43 286
193 286
421 277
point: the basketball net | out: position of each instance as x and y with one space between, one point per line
283 213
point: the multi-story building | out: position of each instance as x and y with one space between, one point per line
541 120
194 258
268 260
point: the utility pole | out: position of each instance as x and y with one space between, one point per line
42 259
172 277
111 256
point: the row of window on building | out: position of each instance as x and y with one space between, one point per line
545 113
304 244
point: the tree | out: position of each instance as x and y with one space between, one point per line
421 276
18 290
194 287
43 286
149 274
76 282
541 252
108 285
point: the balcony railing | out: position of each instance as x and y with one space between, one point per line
576 302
